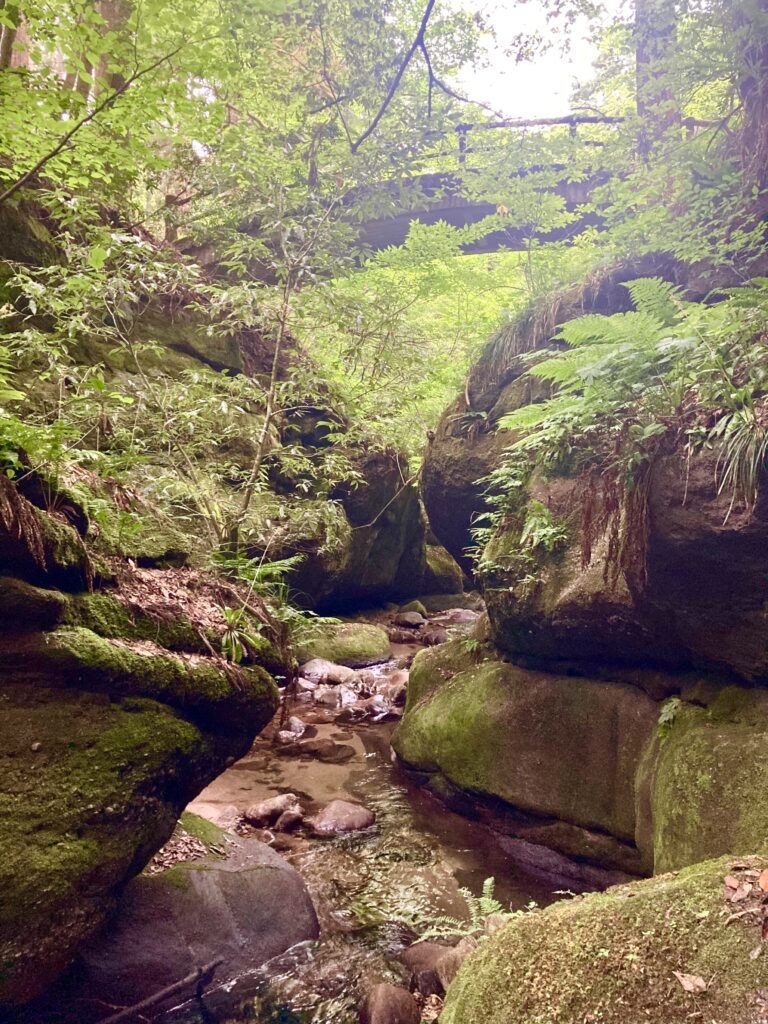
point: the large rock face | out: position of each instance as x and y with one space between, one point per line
582 765
466 447
374 548
697 601
105 735
560 718
623 956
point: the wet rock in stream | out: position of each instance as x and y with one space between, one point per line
388 1004
341 816
267 811
373 887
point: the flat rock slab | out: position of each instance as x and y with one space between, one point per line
410 620
321 749
342 816
320 670
246 908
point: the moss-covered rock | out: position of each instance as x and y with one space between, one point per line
558 747
706 777
39 547
231 698
354 644
442 574
92 786
612 958
366 546
414 606
23 605
252 906
590 755
147 540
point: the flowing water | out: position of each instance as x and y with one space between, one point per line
373 890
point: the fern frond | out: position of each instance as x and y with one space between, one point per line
529 416
637 328
661 300
565 368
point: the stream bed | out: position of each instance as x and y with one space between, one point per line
374 890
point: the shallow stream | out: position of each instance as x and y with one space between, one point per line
374 890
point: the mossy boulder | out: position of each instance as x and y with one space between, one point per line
39 547
688 597
225 697
92 786
588 759
705 778
252 903
34 607
354 644
365 546
560 748
612 957
102 743
146 539
414 606
442 574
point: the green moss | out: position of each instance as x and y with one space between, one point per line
433 666
442 574
202 829
106 615
91 787
552 745
101 613
609 958
351 643
706 780
146 539
24 607
67 560
414 606
240 700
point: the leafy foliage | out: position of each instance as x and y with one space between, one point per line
672 375
479 909
667 715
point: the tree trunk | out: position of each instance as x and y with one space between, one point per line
751 24
8 37
116 14
655 44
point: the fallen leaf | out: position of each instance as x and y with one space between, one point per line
744 890
763 880
691 982
755 952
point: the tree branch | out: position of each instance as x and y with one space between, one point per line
65 140
573 119
412 49
202 976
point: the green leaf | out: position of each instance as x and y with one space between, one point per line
97 257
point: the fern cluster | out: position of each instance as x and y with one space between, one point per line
479 909
696 374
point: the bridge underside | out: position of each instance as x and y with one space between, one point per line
460 212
